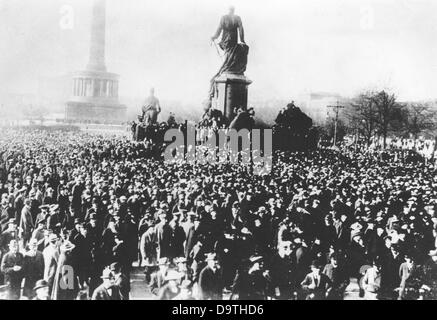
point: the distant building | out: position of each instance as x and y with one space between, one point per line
95 91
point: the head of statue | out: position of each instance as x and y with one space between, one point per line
231 10
152 91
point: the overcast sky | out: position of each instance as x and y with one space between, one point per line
295 46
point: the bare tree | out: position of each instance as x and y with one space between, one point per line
388 114
362 115
418 118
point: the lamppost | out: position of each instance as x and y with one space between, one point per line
336 109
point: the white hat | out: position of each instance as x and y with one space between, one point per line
173 275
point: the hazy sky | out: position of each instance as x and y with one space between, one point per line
295 46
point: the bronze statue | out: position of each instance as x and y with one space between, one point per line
231 26
235 61
151 109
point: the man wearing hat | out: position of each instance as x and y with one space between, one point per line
338 275
316 284
39 234
357 257
120 281
192 231
26 222
41 290
211 280
390 266
11 233
283 272
251 284
42 216
51 257
53 220
33 267
76 229
63 200
19 202
177 237
107 290
12 266
123 206
76 202
94 230
163 235
7 212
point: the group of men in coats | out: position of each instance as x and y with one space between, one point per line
79 202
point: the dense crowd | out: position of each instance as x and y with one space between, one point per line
79 211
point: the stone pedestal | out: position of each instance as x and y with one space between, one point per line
231 94
95 98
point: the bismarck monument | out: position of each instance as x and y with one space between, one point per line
229 86
95 91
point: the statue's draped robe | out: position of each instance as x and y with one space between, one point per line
235 61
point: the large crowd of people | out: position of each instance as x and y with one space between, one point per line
80 211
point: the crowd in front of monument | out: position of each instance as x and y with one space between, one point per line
81 212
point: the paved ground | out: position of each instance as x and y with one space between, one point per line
140 290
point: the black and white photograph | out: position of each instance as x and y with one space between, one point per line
188 150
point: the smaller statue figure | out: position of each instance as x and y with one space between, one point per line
151 109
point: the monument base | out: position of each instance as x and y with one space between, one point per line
231 94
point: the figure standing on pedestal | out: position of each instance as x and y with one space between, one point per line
151 108
235 61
